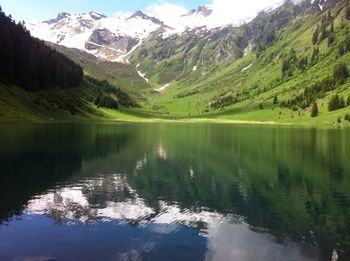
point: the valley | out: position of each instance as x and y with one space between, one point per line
160 130
257 71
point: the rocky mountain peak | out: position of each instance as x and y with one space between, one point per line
97 16
59 17
142 15
205 10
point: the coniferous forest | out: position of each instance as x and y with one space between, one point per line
29 63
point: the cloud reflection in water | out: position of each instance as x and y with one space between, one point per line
111 198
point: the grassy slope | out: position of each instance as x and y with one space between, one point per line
262 81
187 99
123 76
17 105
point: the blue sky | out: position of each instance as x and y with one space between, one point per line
45 9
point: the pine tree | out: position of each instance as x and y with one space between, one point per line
348 101
341 103
332 26
333 103
331 39
314 110
314 55
336 103
341 72
324 33
29 63
275 100
315 35
329 15
347 44
341 50
286 68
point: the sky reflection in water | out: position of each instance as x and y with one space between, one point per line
120 192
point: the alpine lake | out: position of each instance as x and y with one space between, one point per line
174 191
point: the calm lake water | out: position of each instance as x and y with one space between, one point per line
173 192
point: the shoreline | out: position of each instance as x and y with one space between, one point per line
137 120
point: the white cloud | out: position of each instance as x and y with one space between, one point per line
167 12
224 12
234 11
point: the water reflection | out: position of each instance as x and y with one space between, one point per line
211 192
228 237
237 241
112 198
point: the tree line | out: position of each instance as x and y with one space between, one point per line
29 63
319 89
110 96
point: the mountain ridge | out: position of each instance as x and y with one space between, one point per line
124 34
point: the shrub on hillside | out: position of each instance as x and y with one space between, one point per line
341 72
336 103
314 110
105 101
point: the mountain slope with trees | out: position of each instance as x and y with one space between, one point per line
29 63
288 65
299 60
39 83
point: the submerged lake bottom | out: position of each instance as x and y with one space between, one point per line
174 192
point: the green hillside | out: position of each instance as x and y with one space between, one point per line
285 66
76 104
245 88
123 76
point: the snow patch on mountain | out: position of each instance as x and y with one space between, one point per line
113 38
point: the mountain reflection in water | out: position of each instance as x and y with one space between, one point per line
228 237
173 192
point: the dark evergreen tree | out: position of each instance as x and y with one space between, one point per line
341 103
329 15
286 68
333 103
324 33
336 103
332 27
347 44
315 35
341 50
275 100
348 101
111 95
29 63
314 55
347 10
302 64
314 110
331 39
341 72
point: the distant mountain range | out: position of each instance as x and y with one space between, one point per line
113 39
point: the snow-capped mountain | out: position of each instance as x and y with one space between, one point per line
112 38
115 38
107 38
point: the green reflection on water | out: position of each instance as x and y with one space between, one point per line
293 183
